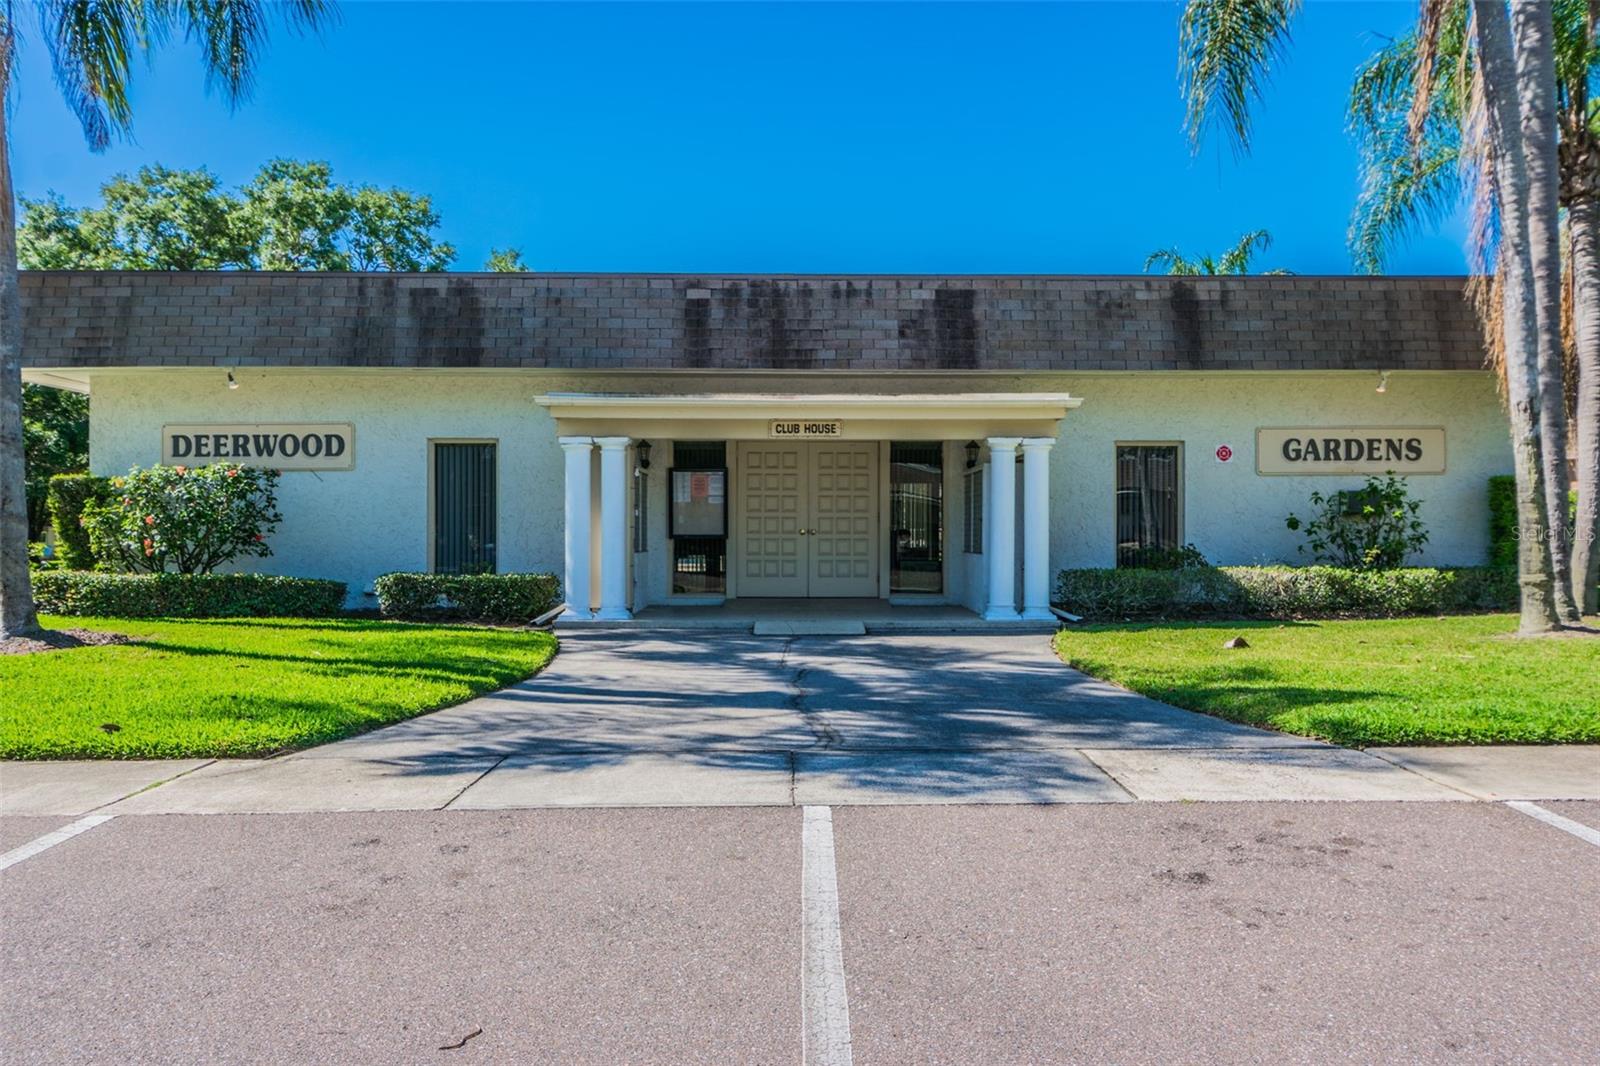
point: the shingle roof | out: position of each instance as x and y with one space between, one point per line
84 319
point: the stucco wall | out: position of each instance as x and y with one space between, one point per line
1236 516
355 525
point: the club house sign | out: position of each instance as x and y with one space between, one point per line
285 446
800 427
1350 450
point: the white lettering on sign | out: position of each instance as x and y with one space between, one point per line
1351 450
801 427
284 446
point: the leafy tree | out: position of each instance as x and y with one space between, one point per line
391 229
162 219
190 519
291 216
92 48
51 236
1235 260
506 261
55 423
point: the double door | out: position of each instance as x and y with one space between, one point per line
808 519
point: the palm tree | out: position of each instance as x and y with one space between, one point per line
1227 48
91 48
1409 185
1515 274
1235 260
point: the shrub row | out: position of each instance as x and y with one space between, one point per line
74 592
1284 592
469 597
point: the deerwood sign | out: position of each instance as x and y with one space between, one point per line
280 446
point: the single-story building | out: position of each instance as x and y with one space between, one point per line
667 439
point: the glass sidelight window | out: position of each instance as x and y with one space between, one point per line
697 517
916 516
1149 502
463 508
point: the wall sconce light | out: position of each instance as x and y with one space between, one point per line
232 384
972 454
1383 381
644 454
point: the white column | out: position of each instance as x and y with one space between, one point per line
1036 529
576 580
613 528
1001 520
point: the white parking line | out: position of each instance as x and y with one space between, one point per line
1577 829
50 840
824 1010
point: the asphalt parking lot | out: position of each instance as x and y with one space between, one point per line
1153 932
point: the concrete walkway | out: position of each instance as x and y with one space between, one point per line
664 719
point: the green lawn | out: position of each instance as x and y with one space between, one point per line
244 686
1458 680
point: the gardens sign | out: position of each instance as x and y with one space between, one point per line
283 446
1350 450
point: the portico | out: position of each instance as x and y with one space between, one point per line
911 499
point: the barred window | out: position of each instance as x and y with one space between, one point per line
1149 502
464 517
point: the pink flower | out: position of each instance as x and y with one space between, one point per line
181 470
260 537
149 519
232 472
149 548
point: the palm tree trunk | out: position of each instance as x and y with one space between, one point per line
17 615
1519 317
1583 220
1534 33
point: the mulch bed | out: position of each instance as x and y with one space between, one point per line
61 640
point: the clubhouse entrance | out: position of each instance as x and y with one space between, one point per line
808 518
700 500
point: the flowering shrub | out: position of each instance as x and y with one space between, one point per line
189 519
1372 528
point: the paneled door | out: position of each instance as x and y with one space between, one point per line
772 510
808 522
843 537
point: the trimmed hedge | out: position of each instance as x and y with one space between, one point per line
73 592
1285 592
469 597
65 499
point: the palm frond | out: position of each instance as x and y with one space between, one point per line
1226 51
1236 260
1403 190
1173 260
231 34
1427 51
91 45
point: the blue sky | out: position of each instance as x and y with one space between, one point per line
938 138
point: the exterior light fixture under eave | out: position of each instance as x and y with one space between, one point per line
972 454
232 384
643 448
1383 381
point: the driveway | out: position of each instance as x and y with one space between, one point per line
672 719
